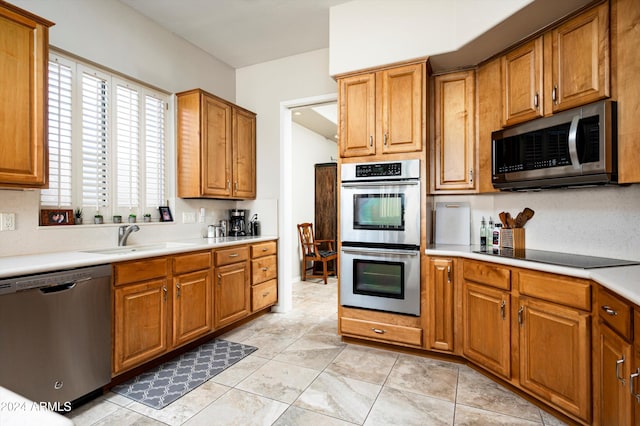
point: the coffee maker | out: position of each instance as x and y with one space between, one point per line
237 225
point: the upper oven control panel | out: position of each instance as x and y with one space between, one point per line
386 170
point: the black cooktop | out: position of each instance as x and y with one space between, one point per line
556 258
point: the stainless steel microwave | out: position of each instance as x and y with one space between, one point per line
571 148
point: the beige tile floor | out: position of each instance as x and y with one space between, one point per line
303 374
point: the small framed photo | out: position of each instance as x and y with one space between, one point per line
165 214
56 217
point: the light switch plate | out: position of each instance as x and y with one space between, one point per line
7 221
188 217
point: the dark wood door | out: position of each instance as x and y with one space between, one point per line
326 203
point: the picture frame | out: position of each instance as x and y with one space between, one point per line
165 214
51 217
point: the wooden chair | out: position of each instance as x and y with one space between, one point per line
312 252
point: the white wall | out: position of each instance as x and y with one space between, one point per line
369 33
309 149
113 35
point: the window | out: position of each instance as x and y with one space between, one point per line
106 141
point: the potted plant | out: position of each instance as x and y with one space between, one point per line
78 216
132 218
117 218
97 218
147 217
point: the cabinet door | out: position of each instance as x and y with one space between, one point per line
402 109
231 298
244 154
216 148
487 328
522 83
613 374
140 314
580 59
441 304
454 145
23 99
555 349
192 306
357 115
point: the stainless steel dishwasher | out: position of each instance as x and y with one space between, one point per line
55 333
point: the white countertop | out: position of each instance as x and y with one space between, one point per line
623 280
12 266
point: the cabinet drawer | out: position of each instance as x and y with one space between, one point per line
263 249
231 255
615 312
566 291
263 295
381 331
488 274
141 270
191 262
263 269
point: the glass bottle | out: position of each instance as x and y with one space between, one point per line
483 234
490 233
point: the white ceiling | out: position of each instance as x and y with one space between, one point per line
244 32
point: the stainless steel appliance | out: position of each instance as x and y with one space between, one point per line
556 258
55 334
570 148
237 225
380 236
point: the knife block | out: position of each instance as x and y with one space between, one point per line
512 238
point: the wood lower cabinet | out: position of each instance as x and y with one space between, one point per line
613 373
24 55
454 143
384 327
440 297
382 112
232 286
555 355
264 275
216 148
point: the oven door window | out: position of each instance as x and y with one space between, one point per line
378 278
379 211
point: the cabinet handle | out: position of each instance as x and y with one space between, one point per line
219 279
520 315
266 294
554 94
609 310
265 269
378 331
264 249
178 290
618 364
228 184
503 312
632 378
164 290
536 100
234 255
449 274
236 185
370 140
386 136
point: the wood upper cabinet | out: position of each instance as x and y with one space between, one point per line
440 296
24 53
555 355
490 116
522 86
580 59
192 297
453 151
216 148
382 112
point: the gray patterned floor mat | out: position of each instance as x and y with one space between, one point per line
164 384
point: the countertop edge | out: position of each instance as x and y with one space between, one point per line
623 280
14 266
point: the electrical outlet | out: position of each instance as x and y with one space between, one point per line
188 217
7 221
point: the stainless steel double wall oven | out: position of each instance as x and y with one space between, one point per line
380 236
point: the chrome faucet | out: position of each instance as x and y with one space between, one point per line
123 233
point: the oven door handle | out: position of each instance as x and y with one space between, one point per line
374 251
380 183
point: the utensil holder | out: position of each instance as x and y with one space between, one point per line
512 238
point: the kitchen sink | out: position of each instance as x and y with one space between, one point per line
140 248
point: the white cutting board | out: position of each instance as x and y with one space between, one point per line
453 223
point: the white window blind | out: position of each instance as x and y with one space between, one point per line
59 192
106 141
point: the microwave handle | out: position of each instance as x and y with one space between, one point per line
573 139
